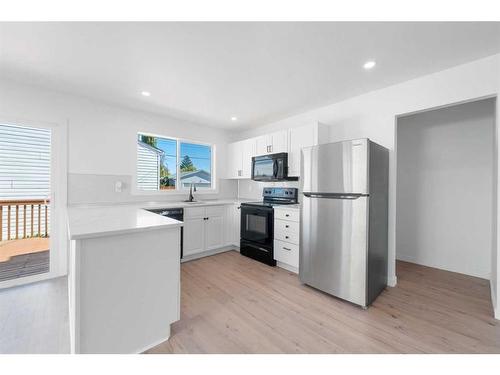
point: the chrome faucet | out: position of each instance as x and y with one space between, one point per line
191 198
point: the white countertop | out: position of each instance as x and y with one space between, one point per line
287 206
110 220
88 221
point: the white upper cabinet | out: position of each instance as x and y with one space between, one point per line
272 143
234 160
304 136
262 145
239 157
279 141
247 151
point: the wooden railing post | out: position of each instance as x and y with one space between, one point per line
17 221
8 222
46 221
24 221
39 219
32 216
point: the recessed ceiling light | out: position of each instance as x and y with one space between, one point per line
145 93
369 64
234 118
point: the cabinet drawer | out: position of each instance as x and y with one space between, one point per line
284 214
286 253
215 211
194 212
285 226
282 233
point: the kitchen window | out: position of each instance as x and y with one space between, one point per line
161 160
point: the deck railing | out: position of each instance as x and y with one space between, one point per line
12 212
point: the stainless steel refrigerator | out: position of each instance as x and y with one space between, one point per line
343 228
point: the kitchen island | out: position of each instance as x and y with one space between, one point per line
124 279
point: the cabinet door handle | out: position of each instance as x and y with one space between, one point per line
287 226
287 237
286 248
287 215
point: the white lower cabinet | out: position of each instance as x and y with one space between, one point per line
233 224
194 236
286 253
287 237
214 230
204 229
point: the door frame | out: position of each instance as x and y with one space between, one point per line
58 199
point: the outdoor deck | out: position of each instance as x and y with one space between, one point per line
26 257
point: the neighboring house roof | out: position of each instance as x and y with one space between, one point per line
197 177
149 147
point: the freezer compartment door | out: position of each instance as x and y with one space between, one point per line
334 244
340 167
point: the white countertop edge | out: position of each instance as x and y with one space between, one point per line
158 204
113 232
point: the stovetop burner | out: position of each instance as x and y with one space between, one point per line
276 196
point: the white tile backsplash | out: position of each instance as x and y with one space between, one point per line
253 189
100 189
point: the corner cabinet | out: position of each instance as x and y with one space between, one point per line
204 229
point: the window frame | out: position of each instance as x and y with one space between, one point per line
179 190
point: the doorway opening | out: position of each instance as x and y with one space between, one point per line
25 205
445 197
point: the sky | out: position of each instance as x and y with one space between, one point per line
200 155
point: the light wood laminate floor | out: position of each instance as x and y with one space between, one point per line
232 304
34 318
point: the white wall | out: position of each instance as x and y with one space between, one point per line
373 115
445 188
101 144
102 140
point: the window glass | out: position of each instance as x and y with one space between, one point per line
156 163
195 165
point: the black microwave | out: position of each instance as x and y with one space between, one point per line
272 167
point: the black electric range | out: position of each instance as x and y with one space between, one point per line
257 223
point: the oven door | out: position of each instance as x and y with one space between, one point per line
257 224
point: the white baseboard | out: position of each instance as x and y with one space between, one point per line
287 267
208 253
496 310
392 281
411 259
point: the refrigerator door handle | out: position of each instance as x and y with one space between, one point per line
352 196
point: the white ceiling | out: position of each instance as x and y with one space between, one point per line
209 72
